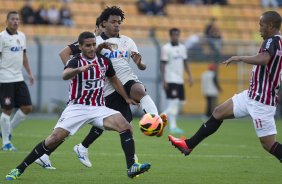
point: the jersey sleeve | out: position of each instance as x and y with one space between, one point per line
111 71
74 48
72 63
164 54
185 55
269 46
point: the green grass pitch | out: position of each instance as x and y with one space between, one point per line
231 156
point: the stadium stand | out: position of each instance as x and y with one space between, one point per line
238 20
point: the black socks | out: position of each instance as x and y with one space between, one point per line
205 130
92 136
128 147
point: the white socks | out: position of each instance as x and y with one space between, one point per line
18 117
148 105
5 127
172 111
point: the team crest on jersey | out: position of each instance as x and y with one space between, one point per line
7 101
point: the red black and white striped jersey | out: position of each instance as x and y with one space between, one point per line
87 87
265 79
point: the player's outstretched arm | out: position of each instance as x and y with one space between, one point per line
137 58
71 72
65 54
259 59
120 89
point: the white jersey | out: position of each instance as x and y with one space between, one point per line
174 56
120 57
11 59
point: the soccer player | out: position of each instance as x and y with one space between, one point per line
87 72
259 101
173 62
14 92
120 49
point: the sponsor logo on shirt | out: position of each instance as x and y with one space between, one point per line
116 54
16 49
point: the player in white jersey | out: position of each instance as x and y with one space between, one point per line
14 92
174 61
87 72
120 49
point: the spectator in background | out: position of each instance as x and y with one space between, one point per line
66 15
41 15
152 7
27 13
53 15
210 88
220 2
269 3
214 39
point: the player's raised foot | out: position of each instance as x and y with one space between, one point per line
165 121
44 162
180 144
13 175
9 147
137 169
82 154
176 131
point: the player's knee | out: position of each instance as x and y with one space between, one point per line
53 140
266 144
26 109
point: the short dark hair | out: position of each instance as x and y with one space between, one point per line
10 13
274 17
172 30
85 35
108 11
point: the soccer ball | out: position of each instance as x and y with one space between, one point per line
150 124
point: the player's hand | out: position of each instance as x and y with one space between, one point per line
137 58
86 67
105 45
232 59
131 101
191 81
31 80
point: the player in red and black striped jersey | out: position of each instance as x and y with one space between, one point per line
87 72
260 100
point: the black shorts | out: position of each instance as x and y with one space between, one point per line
175 91
14 94
116 102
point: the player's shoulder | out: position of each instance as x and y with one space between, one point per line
105 59
124 37
167 45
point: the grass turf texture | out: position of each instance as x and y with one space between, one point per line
231 156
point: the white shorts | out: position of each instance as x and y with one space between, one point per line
262 115
76 116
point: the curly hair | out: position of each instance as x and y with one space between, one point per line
113 10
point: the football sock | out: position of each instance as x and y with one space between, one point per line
205 130
148 105
53 149
18 117
128 147
5 128
92 136
36 153
276 150
172 121
172 112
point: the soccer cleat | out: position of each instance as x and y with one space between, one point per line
176 131
137 169
180 144
13 175
82 154
44 162
9 147
165 121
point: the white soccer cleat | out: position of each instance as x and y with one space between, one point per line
44 162
82 154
